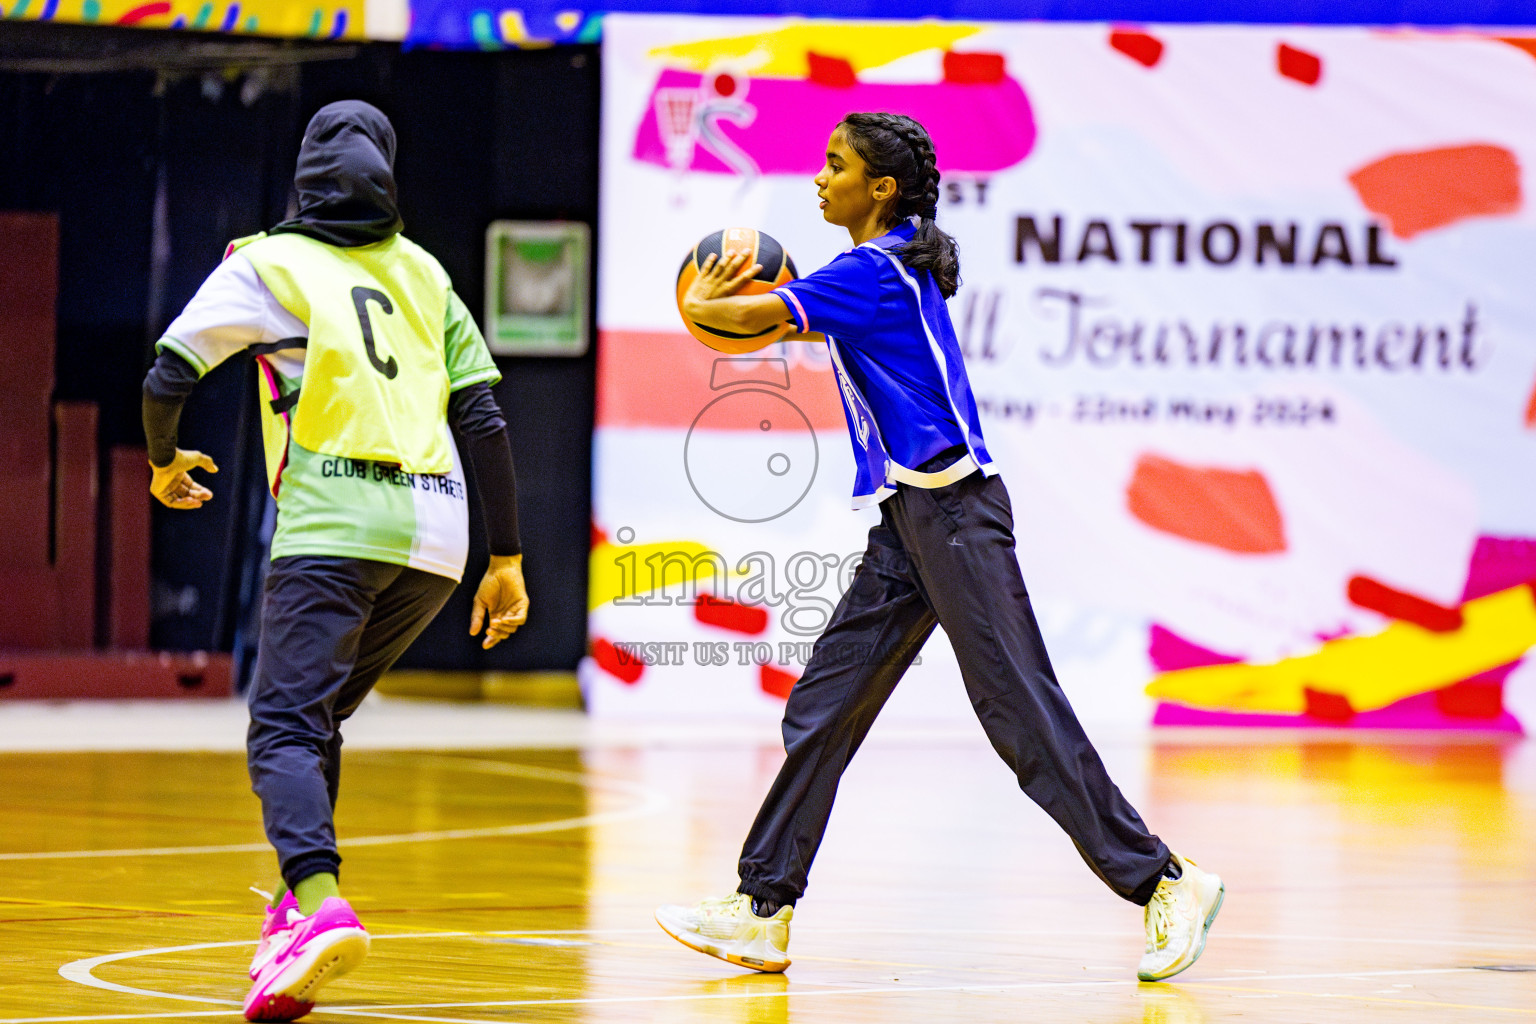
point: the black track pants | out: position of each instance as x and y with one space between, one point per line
942 556
330 627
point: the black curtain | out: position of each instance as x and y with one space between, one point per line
152 171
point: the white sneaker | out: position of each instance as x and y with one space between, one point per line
728 929
1178 919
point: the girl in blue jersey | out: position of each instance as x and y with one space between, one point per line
942 554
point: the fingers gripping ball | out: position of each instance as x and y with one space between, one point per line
760 248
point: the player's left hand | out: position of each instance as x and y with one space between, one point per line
502 598
172 484
719 278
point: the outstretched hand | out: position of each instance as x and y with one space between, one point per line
172 484
719 278
501 600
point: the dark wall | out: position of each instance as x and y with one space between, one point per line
153 173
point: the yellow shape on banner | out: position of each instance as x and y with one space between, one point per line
634 570
283 18
1371 671
514 30
781 53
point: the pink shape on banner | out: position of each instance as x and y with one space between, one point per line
1304 67
1421 711
978 127
1429 189
1499 563
1170 652
1142 48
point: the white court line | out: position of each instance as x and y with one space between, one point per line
393 1012
80 971
651 802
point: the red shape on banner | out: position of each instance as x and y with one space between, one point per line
834 72
1304 67
1479 696
776 682
1169 652
1530 409
1520 43
1328 707
1364 592
1230 509
724 85
740 618
1142 48
626 668
974 68
144 11
1431 188
598 536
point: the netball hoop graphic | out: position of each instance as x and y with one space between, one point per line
687 118
751 455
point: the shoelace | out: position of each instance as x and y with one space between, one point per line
262 893
1161 912
731 905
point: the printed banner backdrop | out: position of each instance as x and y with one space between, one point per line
1248 313
474 24
294 19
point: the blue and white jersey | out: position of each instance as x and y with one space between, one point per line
904 386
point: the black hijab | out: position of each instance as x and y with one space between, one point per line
345 177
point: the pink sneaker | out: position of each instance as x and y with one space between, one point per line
309 953
279 919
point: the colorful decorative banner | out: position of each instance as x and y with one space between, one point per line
476 25
1247 313
305 19
473 24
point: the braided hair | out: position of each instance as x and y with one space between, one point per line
894 145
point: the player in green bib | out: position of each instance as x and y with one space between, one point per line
367 362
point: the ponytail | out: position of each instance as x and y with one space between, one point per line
895 146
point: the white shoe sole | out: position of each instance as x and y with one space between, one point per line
1205 933
329 957
754 956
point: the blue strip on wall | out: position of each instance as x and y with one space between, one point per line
446 23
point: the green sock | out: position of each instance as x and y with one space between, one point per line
312 891
277 897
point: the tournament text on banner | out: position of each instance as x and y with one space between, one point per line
1248 313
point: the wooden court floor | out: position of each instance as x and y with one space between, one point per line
1366 882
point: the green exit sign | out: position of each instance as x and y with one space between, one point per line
537 287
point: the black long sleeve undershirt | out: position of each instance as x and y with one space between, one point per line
166 389
472 411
